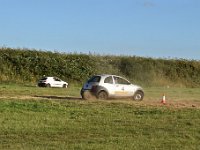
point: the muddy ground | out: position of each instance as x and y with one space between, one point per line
151 103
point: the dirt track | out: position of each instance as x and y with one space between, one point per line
180 104
150 103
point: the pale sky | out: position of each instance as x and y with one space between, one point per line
150 28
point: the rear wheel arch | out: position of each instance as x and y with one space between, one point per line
101 88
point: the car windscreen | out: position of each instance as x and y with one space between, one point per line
119 80
94 79
44 78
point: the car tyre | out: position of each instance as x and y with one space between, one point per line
102 95
64 86
48 85
86 95
138 96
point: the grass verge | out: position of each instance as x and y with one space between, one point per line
57 122
45 124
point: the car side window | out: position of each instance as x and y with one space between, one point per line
57 79
119 80
94 79
109 80
45 78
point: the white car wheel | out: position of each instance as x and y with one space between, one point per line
138 96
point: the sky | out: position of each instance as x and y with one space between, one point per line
147 28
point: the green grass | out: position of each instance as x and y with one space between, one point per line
173 94
10 90
55 123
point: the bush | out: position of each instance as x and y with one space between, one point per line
24 65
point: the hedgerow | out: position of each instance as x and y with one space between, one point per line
25 65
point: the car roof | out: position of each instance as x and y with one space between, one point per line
106 75
49 77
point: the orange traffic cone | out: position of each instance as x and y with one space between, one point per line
163 99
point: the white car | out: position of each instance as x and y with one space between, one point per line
107 86
52 82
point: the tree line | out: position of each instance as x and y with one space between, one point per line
25 65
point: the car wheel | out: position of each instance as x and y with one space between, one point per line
139 95
86 95
64 86
48 85
102 95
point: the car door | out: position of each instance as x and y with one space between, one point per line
129 89
122 87
57 82
109 85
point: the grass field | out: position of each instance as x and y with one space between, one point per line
52 118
